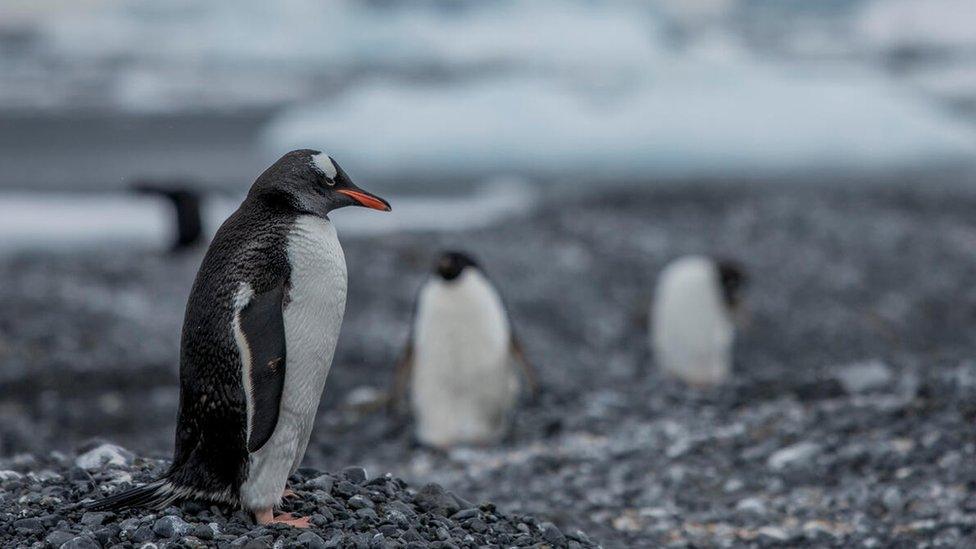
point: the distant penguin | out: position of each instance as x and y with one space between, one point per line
186 207
461 365
260 330
692 319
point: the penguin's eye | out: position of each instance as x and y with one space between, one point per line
330 182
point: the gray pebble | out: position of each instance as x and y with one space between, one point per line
356 475
58 538
311 540
32 525
81 542
171 527
552 534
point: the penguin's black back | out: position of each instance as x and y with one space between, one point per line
211 434
211 457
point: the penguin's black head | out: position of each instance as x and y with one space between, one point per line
733 280
312 182
451 264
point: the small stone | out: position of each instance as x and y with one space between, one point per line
796 455
477 525
311 540
433 498
774 532
193 542
893 500
346 488
81 542
171 527
95 519
360 502
367 513
104 454
552 534
755 506
10 475
465 514
58 538
143 533
355 475
864 377
322 482
31 525
323 517
204 531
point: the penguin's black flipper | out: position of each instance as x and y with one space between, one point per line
263 324
528 370
401 378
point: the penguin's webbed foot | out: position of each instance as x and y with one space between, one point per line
267 516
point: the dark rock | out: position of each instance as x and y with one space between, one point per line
95 519
57 538
204 532
355 475
81 542
433 498
143 533
171 527
465 514
552 534
311 540
322 482
32 525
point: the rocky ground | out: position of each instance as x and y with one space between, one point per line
347 509
849 420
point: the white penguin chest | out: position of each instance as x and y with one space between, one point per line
462 331
692 331
463 384
313 314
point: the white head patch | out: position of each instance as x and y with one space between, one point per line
325 164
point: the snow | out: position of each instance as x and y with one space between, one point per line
932 24
147 56
66 221
705 117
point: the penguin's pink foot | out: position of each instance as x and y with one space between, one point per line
267 517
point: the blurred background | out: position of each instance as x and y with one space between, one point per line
574 146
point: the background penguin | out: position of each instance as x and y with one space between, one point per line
258 338
186 207
692 328
462 357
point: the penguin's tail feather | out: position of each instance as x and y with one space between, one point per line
154 494
158 495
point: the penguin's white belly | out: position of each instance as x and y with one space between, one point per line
464 385
692 331
312 316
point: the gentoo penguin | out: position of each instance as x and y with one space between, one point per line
258 338
186 206
461 361
692 328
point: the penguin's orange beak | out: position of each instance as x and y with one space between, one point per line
366 199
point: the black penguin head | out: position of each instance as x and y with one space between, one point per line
313 183
451 264
733 281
